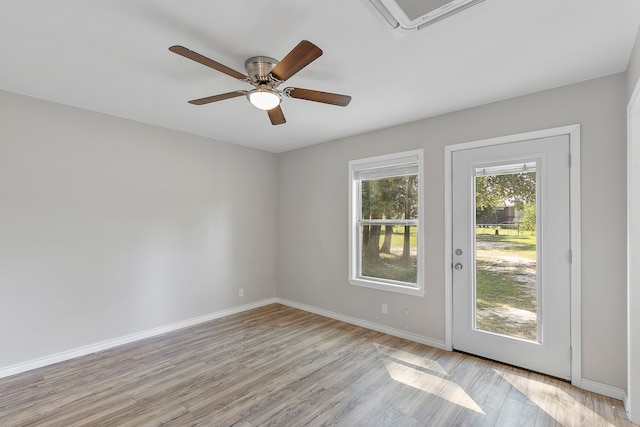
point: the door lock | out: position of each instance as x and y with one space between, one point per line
458 266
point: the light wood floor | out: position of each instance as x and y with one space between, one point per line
278 366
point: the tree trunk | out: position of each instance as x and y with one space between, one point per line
388 234
406 244
365 236
372 250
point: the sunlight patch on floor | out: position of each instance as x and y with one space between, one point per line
441 387
410 358
552 399
412 370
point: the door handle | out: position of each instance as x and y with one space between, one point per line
458 266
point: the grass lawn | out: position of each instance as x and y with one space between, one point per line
497 289
528 239
397 238
392 267
523 243
506 298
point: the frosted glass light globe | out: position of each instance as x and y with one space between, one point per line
264 99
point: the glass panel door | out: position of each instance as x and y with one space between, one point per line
510 239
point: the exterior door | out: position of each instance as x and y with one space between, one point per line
511 260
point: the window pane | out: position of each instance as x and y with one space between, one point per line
506 285
389 252
390 198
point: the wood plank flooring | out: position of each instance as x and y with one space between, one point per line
278 366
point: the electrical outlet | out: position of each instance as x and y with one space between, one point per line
384 309
241 292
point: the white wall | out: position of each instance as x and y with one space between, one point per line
109 227
633 236
312 182
633 68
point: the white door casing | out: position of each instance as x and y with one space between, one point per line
570 340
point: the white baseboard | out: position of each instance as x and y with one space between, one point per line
104 345
600 388
365 324
625 401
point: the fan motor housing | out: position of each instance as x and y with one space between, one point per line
259 67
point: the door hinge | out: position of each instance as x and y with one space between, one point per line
570 353
570 256
569 156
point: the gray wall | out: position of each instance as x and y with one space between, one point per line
312 182
110 227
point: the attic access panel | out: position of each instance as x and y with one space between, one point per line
417 14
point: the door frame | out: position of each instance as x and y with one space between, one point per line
631 397
573 132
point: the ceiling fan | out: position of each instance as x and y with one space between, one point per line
266 74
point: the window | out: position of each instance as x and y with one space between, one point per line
385 214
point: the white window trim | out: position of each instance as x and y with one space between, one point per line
354 212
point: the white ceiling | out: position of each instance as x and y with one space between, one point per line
112 56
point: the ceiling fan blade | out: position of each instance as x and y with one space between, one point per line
194 56
317 96
299 57
276 116
216 98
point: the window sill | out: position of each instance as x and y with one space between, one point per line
399 289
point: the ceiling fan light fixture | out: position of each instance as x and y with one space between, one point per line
265 74
264 99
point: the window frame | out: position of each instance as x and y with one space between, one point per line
355 222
